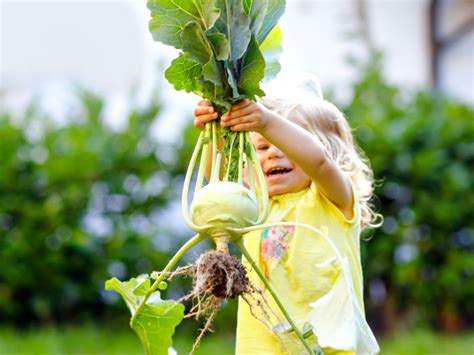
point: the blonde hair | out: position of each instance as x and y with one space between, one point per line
324 120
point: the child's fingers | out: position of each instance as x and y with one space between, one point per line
241 104
231 122
243 127
203 119
204 103
240 112
202 115
204 110
198 124
200 121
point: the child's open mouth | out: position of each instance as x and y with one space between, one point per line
277 172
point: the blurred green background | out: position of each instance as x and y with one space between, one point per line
86 202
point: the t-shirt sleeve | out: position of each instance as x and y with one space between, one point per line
327 203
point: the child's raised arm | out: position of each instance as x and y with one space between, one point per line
298 145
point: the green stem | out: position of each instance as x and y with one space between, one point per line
216 171
261 182
270 289
179 254
214 147
187 183
204 157
250 176
241 157
231 147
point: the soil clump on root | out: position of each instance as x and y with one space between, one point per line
220 274
216 276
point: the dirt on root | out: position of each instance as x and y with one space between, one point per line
220 274
216 276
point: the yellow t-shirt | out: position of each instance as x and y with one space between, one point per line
300 265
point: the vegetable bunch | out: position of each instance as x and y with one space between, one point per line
228 46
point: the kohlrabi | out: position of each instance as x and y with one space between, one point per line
227 48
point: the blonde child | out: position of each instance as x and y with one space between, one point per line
315 175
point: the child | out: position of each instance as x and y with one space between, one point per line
316 176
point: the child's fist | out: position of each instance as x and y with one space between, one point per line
246 115
203 113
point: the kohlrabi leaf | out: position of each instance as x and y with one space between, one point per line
198 49
183 74
255 9
220 44
169 17
220 39
210 72
155 325
142 288
235 24
271 50
156 321
195 44
275 9
252 71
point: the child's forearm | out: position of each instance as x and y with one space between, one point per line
309 154
297 143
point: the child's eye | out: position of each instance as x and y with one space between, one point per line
262 147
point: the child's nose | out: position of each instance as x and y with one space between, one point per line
274 152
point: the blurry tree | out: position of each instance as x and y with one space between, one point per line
420 265
79 203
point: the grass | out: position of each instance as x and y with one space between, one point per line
91 340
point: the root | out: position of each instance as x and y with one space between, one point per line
269 316
221 274
214 308
186 271
216 276
257 299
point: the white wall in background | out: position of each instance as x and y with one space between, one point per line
99 44
457 60
106 45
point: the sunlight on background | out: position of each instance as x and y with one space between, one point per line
48 46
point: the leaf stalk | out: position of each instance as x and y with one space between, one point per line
179 254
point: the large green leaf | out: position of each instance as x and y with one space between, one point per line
157 319
235 24
252 71
195 44
169 18
228 64
221 45
271 50
256 10
198 49
183 74
275 10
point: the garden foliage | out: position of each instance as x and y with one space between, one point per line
53 263
80 203
419 266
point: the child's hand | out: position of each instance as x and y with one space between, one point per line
203 113
246 116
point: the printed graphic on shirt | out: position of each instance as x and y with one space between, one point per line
274 246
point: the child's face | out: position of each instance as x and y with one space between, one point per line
281 174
